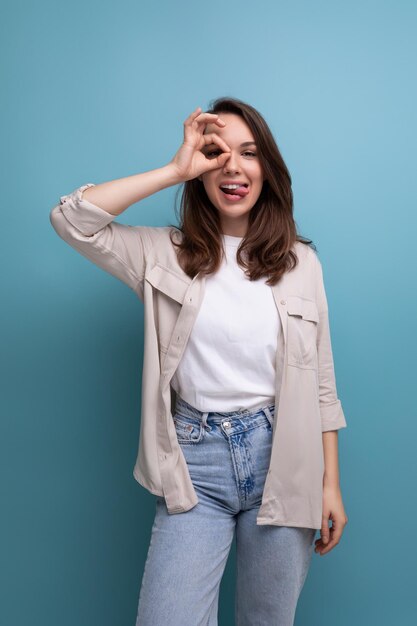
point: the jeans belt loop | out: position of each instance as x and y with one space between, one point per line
268 415
204 421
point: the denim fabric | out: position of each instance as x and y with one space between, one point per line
228 456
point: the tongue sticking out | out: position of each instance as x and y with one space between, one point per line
240 191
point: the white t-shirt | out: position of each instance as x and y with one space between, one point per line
229 359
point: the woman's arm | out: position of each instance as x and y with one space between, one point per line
116 248
115 196
333 508
83 218
187 163
332 419
331 459
331 411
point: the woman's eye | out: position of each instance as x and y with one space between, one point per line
216 151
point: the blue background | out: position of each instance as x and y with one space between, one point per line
98 90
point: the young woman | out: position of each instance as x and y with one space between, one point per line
240 413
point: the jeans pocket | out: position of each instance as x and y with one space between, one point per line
189 430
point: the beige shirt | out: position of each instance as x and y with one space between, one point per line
306 402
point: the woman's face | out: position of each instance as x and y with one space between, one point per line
242 166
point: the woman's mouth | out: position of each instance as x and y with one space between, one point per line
234 193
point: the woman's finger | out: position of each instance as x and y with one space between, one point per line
218 161
205 115
193 126
206 118
328 546
193 114
210 138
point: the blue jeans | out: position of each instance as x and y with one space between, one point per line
228 458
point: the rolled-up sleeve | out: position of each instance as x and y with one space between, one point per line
118 249
331 411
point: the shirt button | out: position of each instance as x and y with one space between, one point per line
283 302
226 424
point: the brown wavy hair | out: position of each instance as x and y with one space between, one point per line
267 248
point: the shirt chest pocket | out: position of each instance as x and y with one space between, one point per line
302 321
169 289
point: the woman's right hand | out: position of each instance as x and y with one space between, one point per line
189 162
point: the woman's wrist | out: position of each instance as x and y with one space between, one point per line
331 482
171 175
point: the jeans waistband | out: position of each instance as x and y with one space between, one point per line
183 407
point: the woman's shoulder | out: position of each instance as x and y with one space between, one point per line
305 252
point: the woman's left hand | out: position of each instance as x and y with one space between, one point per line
333 510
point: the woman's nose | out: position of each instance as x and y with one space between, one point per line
231 164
